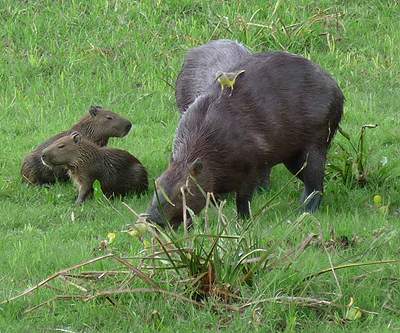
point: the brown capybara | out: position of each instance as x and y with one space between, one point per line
284 109
98 125
200 66
118 172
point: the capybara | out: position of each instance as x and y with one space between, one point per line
98 125
201 65
118 172
284 109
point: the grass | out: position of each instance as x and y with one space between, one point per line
58 58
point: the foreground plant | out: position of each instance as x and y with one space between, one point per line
352 163
218 267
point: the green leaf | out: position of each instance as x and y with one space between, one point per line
98 193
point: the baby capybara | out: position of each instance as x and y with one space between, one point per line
284 109
97 126
118 172
200 66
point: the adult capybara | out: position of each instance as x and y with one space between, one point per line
97 126
118 172
284 109
201 65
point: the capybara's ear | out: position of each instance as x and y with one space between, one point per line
171 158
93 111
76 136
196 167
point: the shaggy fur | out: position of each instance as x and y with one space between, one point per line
96 126
284 109
118 172
200 67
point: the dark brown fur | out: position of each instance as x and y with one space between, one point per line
284 109
97 126
201 65
118 172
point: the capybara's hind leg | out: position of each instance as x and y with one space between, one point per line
312 176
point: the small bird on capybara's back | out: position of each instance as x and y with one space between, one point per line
118 172
200 66
97 126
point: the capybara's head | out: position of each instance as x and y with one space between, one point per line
63 151
179 181
105 123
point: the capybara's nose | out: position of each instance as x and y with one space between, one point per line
146 217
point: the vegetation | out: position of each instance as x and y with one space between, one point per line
337 270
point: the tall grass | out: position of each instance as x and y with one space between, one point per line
59 57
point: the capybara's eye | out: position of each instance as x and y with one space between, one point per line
109 117
61 146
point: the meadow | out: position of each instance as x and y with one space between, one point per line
333 271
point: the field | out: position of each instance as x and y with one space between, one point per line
60 57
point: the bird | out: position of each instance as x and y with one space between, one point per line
227 79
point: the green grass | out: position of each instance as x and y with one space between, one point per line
59 57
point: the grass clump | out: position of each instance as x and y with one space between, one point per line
224 270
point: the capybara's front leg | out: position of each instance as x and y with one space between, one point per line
85 192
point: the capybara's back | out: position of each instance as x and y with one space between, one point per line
289 101
123 173
200 67
283 109
97 126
